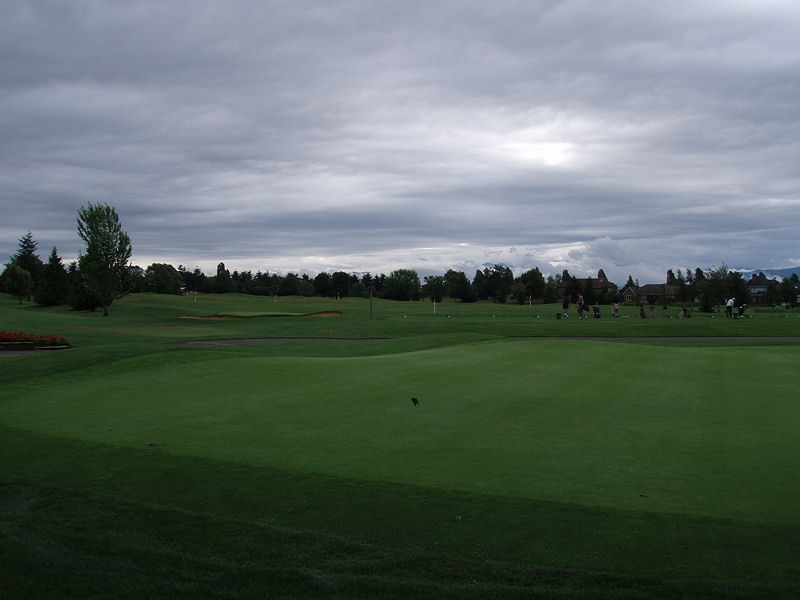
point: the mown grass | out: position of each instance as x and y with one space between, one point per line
165 525
535 467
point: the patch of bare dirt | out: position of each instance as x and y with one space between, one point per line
209 318
241 341
327 313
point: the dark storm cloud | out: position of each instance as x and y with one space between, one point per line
632 136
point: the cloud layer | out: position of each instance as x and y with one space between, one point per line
362 136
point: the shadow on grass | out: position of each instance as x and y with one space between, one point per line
80 520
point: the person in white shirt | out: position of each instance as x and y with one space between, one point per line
729 308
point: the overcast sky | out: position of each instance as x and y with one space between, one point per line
633 136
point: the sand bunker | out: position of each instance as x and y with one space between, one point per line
327 313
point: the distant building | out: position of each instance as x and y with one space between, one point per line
758 285
601 287
633 295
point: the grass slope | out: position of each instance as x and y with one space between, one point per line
132 466
161 522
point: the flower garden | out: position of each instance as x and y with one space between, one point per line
19 340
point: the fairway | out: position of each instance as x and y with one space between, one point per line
662 461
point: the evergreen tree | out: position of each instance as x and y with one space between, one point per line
26 256
223 283
79 297
53 285
27 259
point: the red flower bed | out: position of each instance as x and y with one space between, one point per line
32 338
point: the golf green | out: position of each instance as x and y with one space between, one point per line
630 425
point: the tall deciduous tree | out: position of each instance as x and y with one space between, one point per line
322 284
340 284
18 281
788 290
458 286
108 249
736 287
715 289
161 278
402 284
494 282
434 287
533 280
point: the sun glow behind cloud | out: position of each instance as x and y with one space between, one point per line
548 154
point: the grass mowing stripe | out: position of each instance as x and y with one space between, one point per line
196 555
140 550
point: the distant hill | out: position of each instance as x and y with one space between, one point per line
780 273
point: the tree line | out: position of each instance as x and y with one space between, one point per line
103 273
711 287
94 281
